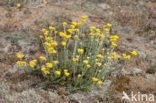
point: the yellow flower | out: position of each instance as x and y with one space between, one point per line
76 29
65 70
62 34
85 61
79 24
93 27
53 51
52 28
134 52
100 56
55 61
95 79
88 66
79 75
126 56
41 36
106 30
49 65
99 71
45 2
110 57
83 17
76 36
113 38
91 34
48 38
98 30
114 44
64 23
98 63
67 74
83 20
57 72
54 43
32 63
116 57
55 32
21 63
18 5
74 23
49 49
70 30
42 58
75 59
80 51
46 32
102 36
99 82
48 44
43 29
68 36
20 56
107 53
63 43
72 26
34 60
45 70
109 25
105 26
103 49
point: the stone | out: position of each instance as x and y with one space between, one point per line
103 6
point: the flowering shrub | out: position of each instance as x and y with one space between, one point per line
74 58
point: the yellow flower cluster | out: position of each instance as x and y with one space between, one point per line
45 70
113 38
32 63
49 65
96 80
20 56
134 52
99 64
126 56
66 72
21 63
115 56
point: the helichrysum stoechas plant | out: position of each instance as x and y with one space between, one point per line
76 59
